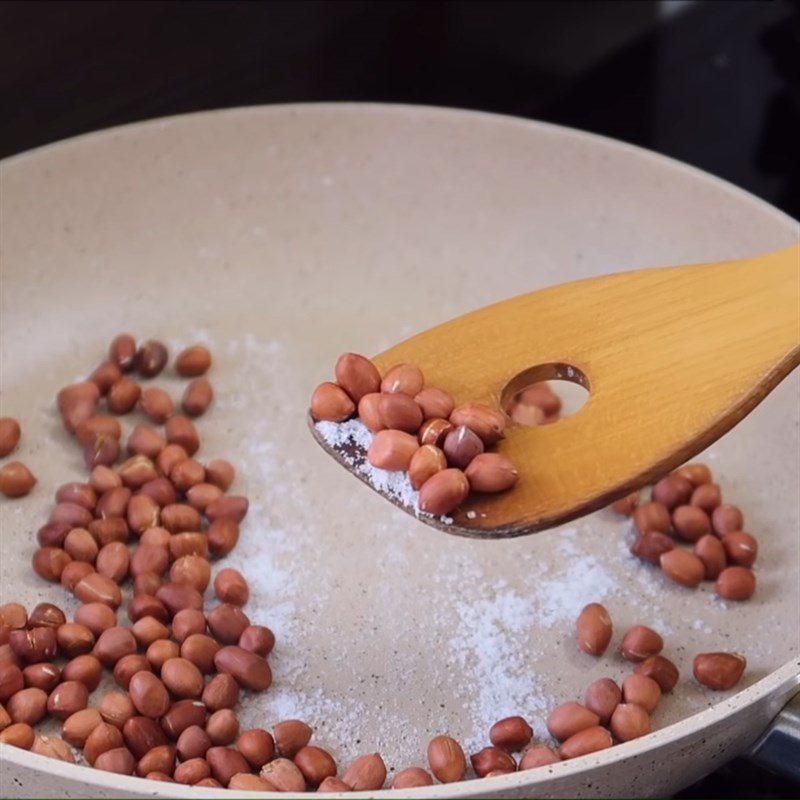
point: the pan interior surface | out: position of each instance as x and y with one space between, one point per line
284 236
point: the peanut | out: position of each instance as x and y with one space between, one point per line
446 759
443 492
411 777
486 422
193 361
736 583
602 697
10 433
122 351
568 719
589 740
642 691
674 490
719 671
332 403
491 472
511 733
710 551
629 721
691 523
367 773
461 446
402 379
316 764
392 450
16 480
593 629
683 567
291 736
357 375
641 642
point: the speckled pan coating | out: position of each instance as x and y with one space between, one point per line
283 236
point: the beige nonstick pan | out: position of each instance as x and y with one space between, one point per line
282 236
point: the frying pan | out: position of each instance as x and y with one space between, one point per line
282 236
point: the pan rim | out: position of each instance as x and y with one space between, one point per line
780 683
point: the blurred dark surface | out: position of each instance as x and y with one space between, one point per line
715 84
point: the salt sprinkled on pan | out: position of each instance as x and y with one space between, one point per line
487 648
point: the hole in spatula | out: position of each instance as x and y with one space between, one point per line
545 394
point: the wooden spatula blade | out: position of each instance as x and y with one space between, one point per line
673 358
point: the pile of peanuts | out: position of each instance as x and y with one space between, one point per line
181 668
686 506
419 430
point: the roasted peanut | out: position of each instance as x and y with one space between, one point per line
250 670
629 721
221 473
461 446
330 402
568 719
357 375
225 763
644 691
193 361
193 743
183 679
366 773
672 491
736 583
193 570
116 708
683 567
486 422
492 760
186 622
690 522
626 505
257 639
602 697
491 472
67 698
410 777
539 755
511 733
369 411
16 480
650 517
257 746
43 676
706 496
443 492
400 412
641 642
589 740
113 561
392 450
593 629
85 668
435 431
10 433
435 403
719 671
231 587
741 548
150 358
727 519
222 726
220 692
197 397
79 725
402 379
661 670
227 622
710 551
145 441
113 644
446 759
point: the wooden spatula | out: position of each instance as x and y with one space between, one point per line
673 358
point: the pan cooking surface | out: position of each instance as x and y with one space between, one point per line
282 238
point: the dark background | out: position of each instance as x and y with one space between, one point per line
715 84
